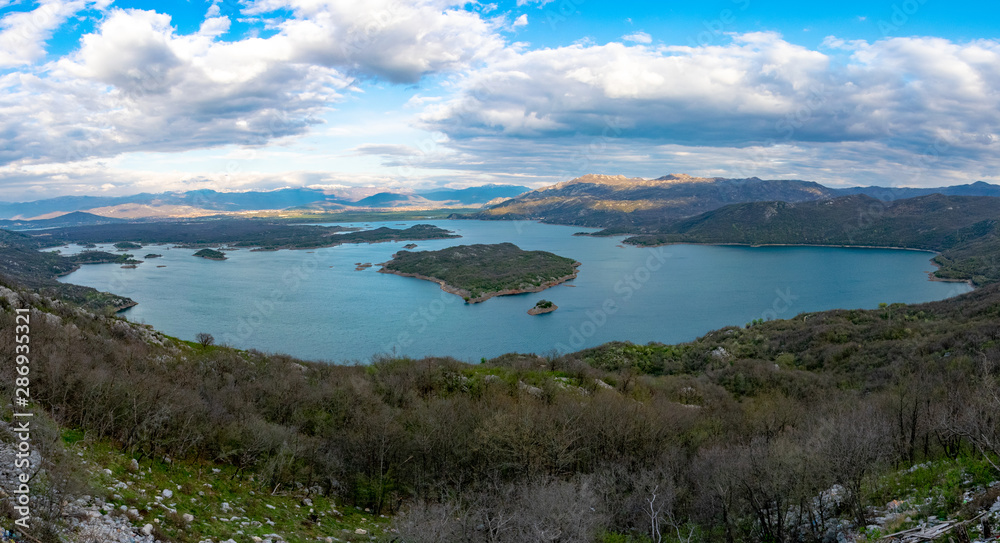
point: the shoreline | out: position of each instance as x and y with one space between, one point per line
465 294
736 244
536 311
931 276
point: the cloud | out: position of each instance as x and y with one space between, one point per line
135 84
394 40
909 93
638 37
385 150
701 95
916 110
23 34
520 21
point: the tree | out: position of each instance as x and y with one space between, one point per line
205 339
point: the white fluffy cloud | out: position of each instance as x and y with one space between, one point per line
397 40
638 37
908 97
136 84
23 33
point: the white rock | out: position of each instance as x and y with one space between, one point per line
188 517
147 529
225 507
167 493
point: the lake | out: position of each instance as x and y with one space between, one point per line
314 305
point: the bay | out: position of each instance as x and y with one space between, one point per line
315 305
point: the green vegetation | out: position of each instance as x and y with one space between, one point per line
820 418
127 245
383 233
805 429
542 306
615 201
21 263
268 234
152 255
103 257
211 254
477 272
963 228
372 216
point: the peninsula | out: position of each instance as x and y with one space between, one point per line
235 233
480 272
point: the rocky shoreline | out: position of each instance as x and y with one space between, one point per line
542 311
468 295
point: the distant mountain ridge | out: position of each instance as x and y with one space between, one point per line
633 204
979 188
289 198
591 200
75 218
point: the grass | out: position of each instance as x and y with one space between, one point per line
200 488
937 491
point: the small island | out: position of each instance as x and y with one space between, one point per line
479 272
127 245
153 255
410 246
211 254
103 257
542 307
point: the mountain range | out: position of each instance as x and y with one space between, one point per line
607 201
633 204
209 202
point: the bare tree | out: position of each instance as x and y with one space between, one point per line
205 339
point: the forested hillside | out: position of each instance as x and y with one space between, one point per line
962 228
784 430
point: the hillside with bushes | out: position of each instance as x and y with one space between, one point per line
785 430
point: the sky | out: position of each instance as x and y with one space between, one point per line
109 97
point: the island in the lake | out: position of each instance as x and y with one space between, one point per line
211 254
103 257
126 245
542 307
480 272
153 255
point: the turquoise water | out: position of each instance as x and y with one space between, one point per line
314 305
